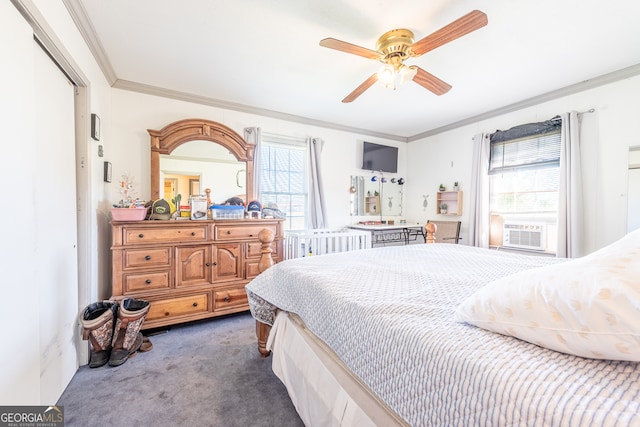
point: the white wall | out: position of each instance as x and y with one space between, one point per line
31 374
606 136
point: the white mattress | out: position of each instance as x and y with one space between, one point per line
387 313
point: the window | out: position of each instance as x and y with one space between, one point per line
524 169
283 177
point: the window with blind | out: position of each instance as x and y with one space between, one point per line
283 178
524 169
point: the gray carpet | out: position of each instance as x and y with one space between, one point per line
206 373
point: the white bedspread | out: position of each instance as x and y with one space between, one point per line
388 314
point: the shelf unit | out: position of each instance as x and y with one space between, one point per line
372 204
453 200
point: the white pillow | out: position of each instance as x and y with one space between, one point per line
588 306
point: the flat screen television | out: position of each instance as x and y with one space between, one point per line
379 158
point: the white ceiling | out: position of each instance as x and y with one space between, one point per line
263 55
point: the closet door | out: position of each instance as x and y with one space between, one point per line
55 225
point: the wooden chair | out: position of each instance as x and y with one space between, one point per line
445 232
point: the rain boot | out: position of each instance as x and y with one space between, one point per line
97 323
127 337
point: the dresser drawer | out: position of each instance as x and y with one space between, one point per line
228 232
141 235
140 282
156 257
230 298
253 250
251 269
177 307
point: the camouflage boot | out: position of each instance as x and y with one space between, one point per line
127 337
97 323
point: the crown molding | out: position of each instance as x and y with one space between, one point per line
83 23
602 80
198 99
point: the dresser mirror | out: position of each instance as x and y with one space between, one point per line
376 197
196 165
191 155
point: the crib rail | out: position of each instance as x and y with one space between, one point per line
299 244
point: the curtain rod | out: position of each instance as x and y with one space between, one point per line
558 118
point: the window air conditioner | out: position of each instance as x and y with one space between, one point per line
523 235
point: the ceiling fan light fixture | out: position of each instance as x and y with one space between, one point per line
391 76
387 76
407 73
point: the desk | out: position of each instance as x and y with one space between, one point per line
384 233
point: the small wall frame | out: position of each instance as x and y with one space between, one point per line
107 171
95 127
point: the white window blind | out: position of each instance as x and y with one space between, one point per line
535 152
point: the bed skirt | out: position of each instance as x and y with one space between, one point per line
321 388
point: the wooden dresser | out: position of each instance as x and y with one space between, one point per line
188 270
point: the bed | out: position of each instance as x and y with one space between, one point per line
446 334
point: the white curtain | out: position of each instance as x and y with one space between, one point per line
479 197
570 206
317 212
252 136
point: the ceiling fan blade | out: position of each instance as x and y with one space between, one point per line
430 82
336 44
360 89
458 28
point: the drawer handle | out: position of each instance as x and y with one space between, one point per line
195 304
166 313
215 263
193 233
228 231
250 235
208 264
141 235
148 281
148 257
227 299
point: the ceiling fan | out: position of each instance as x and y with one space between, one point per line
395 46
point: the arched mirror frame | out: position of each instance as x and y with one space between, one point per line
170 137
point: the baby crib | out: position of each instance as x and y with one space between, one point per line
299 244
